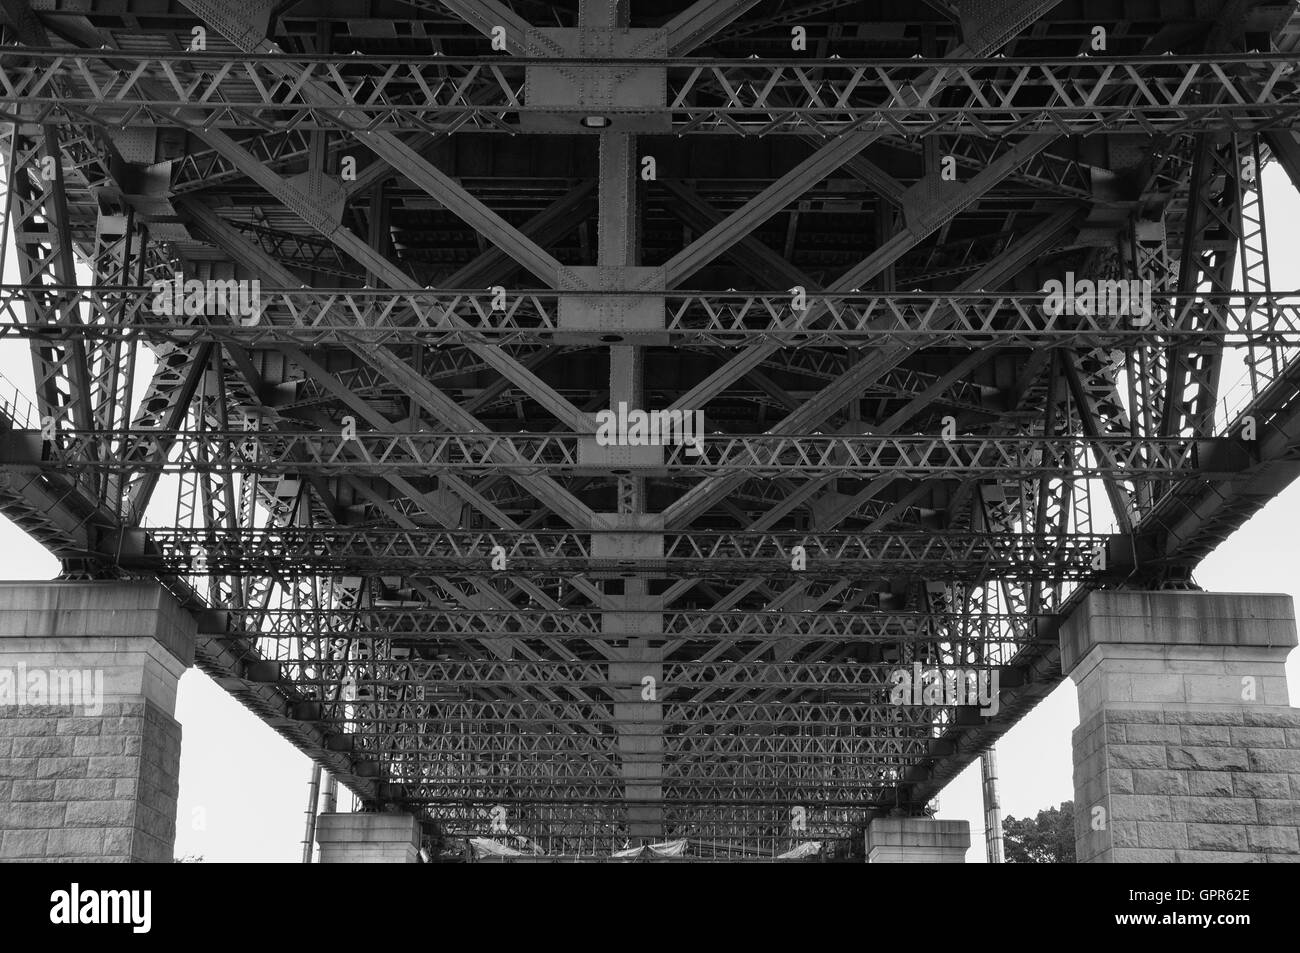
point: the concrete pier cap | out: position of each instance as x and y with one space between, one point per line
1155 649
382 838
917 840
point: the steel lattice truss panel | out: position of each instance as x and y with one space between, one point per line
949 313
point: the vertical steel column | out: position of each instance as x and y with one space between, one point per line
331 795
1263 356
1209 254
640 719
992 806
313 799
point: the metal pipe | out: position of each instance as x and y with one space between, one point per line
992 806
313 798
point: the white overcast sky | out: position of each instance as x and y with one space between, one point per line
244 789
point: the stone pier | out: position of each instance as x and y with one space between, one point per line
89 749
917 840
368 838
1187 750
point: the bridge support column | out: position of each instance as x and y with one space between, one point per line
89 750
917 840
1187 750
640 739
636 679
368 838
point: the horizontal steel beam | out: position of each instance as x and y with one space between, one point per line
919 96
456 675
367 316
821 713
328 550
406 623
761 455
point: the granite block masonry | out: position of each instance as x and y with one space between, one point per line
1187 750
91 775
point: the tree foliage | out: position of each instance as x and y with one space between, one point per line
1045 839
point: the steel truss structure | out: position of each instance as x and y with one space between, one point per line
1154 95
467 228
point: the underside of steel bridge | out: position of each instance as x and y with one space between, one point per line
476 225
